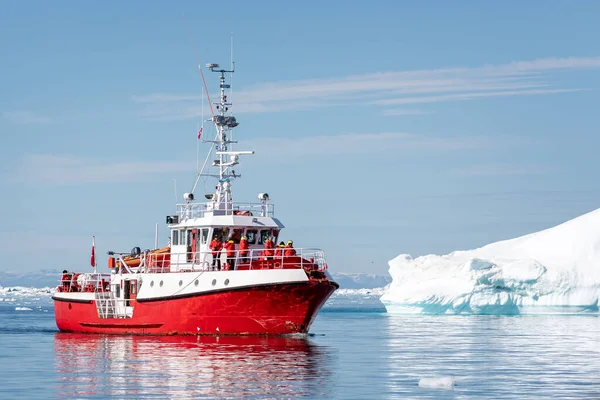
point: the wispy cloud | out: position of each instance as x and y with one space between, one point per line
23 117
503 170
403 112
58 170
291 149
468 96
11 241
64 170
516 78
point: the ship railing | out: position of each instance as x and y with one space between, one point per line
198 210
277 258
109 306
302 257
84 282
254 258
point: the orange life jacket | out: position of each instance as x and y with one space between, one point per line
230 247
289 251
269 248
216 246
244 247
279 251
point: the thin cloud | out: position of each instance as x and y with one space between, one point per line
64 170
56 170
403 112
469 96
291 149
23 117
503 170
546 64
516 78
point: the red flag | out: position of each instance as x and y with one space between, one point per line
93 258
200 132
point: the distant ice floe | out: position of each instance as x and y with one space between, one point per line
355 300
556 270
22 298
441 382
359 292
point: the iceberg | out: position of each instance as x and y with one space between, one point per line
556 270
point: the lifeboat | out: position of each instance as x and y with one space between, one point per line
154 258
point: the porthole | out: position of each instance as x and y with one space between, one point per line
226 282
70 306
196 283
160 284
151 283
214 282
180 283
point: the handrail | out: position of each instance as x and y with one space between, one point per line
255 258
197 210
85 282
309 259
109 306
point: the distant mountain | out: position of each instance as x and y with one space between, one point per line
37 279
360 280
51 278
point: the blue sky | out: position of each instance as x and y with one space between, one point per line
379 128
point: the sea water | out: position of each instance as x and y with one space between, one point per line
354 351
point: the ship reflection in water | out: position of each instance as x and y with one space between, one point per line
191 367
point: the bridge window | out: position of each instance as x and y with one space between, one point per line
264 234
251 236
182 237
223 233
204 235
174 238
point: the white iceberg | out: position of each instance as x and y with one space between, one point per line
556 270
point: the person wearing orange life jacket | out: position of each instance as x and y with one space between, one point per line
65 281
230 248
216 246
269 246
244 246
289 249
74 283
279 251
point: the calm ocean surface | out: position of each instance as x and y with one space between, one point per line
350 354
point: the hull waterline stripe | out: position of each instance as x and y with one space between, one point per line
120 326
72 300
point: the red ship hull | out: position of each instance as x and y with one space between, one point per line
259 310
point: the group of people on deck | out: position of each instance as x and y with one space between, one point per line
270 251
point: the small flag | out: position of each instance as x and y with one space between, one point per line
200 132
93 258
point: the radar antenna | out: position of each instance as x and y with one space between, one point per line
227 158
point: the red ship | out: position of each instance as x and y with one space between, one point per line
221 274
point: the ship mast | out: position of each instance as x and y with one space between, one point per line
227 158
